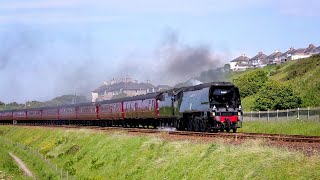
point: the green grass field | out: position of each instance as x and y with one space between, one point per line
10 169
89 154
307 128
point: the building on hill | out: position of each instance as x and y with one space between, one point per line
259 60
287 55
275 57
316 51
126 86
304 52
309 50
240 63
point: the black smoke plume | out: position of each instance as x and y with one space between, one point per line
183 61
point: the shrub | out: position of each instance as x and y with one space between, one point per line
251 83
276 96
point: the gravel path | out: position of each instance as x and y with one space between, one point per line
22 165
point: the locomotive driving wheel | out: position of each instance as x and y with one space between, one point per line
190 125
202 125
234 129
195 122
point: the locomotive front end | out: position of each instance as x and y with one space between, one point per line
226 110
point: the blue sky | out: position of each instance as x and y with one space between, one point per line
50 48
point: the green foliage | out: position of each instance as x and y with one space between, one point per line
275 95
226 67
2 103
12 105
73 150
120 156
120 95
302 67
68 99
251 83
303 77
38 167
60 100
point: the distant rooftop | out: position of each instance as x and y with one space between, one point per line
275 54
260 55
242 58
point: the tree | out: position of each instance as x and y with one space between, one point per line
251 83
275 95
2 103
227 67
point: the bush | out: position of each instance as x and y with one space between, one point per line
251 83
276 96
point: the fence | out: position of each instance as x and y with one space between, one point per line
302 114
60 172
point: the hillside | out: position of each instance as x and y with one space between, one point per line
57 101
302 76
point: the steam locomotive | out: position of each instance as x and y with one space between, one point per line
207 107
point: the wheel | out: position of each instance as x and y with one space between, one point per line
234 129
190 127
195 125
202 126
228 129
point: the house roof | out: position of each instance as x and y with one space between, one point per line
310 49
274 55
242 58
124 86
260 56
290 51
300 51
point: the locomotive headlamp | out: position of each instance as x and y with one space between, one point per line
240 108
239 113
214 108
213 113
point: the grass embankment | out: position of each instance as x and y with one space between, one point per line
10 169
95 155
282 127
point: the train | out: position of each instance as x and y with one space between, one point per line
208 107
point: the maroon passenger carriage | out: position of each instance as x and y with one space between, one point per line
110 112
6 117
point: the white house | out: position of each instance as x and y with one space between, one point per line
260 60
239 63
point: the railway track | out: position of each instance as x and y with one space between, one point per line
236 136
